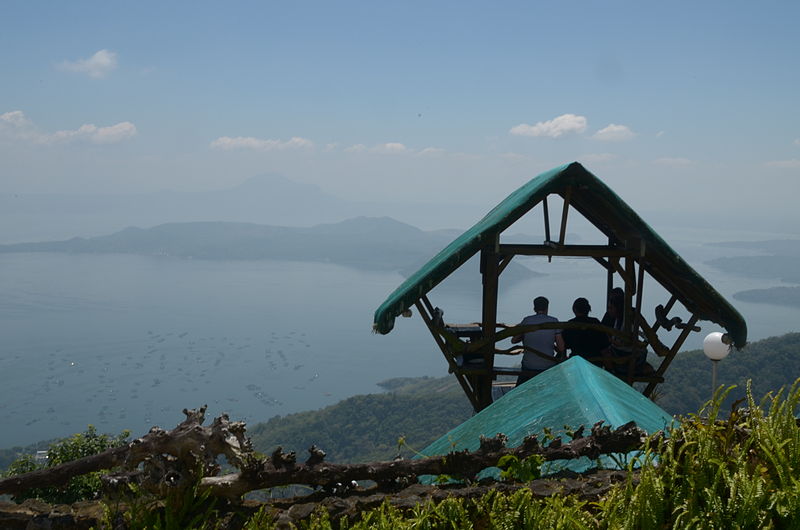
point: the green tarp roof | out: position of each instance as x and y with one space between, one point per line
600 206
572 394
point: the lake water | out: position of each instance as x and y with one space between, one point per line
123 341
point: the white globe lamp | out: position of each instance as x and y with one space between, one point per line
716 346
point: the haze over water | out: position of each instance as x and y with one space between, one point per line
126 341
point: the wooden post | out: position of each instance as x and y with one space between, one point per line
546 220
630 289
639 289
672 352
563 233
609 276
490 270
469 390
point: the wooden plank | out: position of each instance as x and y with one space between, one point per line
468 390
667 309
630 289
504 263
546 219
609 274
563 233
488 320
637 314
672 352
591 251
652 338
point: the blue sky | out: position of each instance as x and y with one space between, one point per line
369 100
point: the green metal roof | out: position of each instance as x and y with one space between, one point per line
600 206
571 394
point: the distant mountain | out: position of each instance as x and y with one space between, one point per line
371 243
772 247
780 261
267 198
786 296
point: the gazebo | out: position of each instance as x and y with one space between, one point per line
632 254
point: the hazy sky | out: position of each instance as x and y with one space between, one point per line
673 104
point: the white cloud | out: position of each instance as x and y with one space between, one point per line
614 133
431 151
785 164
797 141
598 158
114 133
659 134
331 147
15 118
16 126
390 148
227 143
97 66
559 126
357 148
673 161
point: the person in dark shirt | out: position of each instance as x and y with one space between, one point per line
587 343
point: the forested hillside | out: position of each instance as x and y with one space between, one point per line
770 364
367 428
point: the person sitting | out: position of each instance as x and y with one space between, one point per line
586 343
542 345
614 319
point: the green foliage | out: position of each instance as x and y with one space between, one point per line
10 455
740 472
769 363
76 446
525 470
493 510
191 509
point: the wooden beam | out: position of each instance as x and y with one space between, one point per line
639 290
672 352
563 233
488 320
603 262
630 289
667 309
609 273
591 251
652 338
468 390
546 219
427 303
504 263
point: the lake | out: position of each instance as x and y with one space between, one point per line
126 342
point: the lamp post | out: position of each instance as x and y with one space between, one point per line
716 346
